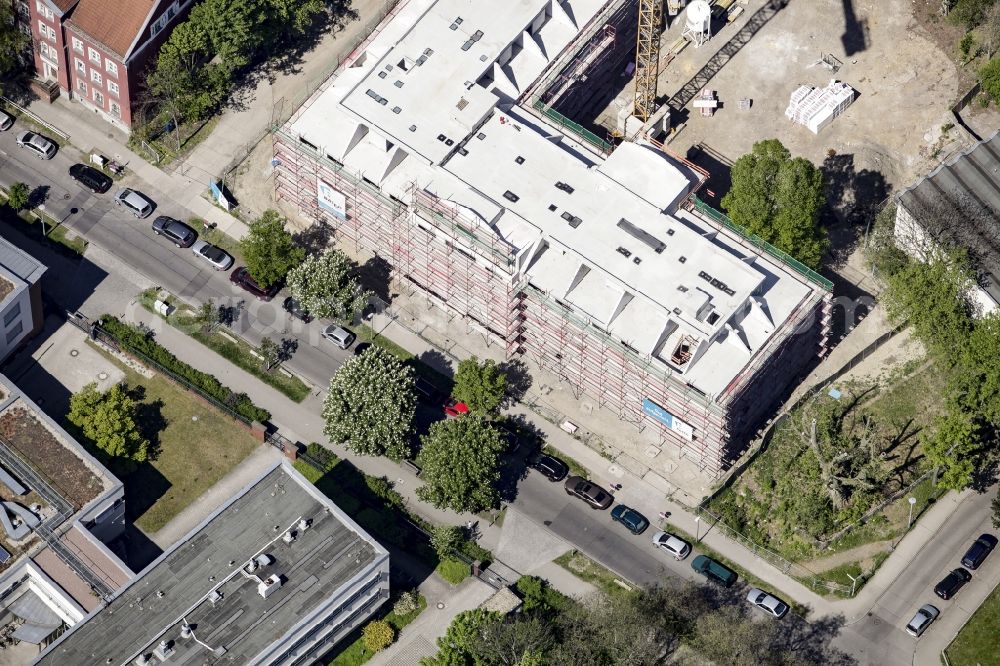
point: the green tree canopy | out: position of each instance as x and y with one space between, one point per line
455 647
13 43
446 539
109 421
269 250
989 75
951 449
17 196
370 405
481 386
779 198
325 285
460 463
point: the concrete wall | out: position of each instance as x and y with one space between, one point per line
16 311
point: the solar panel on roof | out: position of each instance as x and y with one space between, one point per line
4 555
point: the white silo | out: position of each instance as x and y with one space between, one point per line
698 22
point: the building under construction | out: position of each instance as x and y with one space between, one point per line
436 147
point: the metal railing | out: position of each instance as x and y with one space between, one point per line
565 123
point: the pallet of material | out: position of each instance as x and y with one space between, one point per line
734 13
720 7
679 45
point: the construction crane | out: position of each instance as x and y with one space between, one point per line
647 57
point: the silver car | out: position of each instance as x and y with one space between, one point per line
338 336
219 258
767 602
923 618
135 202
37 144
6 121
677 547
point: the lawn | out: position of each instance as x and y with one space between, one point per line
198 446
590 571
453 570
354 653
979 640
229 346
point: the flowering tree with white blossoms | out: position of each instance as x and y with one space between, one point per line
325 286
370 405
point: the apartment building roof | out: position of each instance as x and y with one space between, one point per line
18 264
205 581
112 23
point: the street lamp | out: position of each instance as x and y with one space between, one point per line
912 500
697 529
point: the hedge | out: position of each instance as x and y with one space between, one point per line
142 342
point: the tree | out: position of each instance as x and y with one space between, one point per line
370 405
207 315
779 199
446 539
995 505
990 29
17 196
326 287
460 464
269 250
13 42
969 13
989 76
976 380
455 647
513 643
407 603
727 636
951 449
269 352
109 421
377 636
481 386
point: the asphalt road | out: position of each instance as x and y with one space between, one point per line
177 270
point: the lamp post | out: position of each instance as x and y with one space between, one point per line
912 500
697 529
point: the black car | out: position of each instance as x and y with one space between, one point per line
175 231
952 583
241 277
94 180
978 551
427 392
509 435
551 467
294 308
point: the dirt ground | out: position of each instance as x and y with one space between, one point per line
885 140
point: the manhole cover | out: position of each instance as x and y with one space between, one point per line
102 376
74 352
194 418
66 196
440 605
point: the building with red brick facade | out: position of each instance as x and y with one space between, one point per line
98 51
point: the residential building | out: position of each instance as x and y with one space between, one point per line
597 263
60 511
99 50
277 575
20 297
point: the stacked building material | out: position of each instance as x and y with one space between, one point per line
817 107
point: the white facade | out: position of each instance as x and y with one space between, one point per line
19 315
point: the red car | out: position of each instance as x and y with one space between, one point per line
241 278
453 407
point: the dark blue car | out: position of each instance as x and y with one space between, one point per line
633 521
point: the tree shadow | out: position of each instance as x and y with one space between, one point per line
287 349
316 239
143 487
811 642
376 276
518 380
719 167
438 362
38 196
853 198
151 422
229 314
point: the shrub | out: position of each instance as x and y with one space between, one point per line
17 196
382 488
406 604
378 635
989 75
323 457
446 539
142 343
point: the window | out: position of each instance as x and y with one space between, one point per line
98 97
94 55
42 28
112 87
77 45
14 332
49 33
158 26
172 11
96 77
111 67
81 67
43 10
116 110
12 315
81 85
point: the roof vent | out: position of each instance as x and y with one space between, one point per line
382 75
636 260
624 251
642 235
453 26
449 142
441 137
481 136
575 222
428 52
462 103
682 259
413 128
681 288
463 152
186 630
142 660
553 207
304 524
568 189
268 587
396 109
511 197
398 83
467 45
670 232
477 35
519 159
164 650
288 536
677 311
215 597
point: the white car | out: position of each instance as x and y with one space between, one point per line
219 258
37 144
338 336
679 548
6 121
767 602
923 618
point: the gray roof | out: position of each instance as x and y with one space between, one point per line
20 263
960 202
314 567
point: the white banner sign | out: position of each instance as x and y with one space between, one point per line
331 199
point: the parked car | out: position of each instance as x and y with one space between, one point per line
216 256
135 202
633 521
714 571
37 144
978 551
453 407
509 435
676 546
952 583
241 278
427 391
923 618
295 309
550 467
6 121
589 492
338 336
767 602
96 181
175 231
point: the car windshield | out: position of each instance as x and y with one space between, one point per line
779 608
213 253
760 598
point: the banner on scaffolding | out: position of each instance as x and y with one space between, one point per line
330 199
666 418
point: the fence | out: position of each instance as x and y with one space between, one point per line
565 123
20 109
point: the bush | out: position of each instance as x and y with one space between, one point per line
142 343
323 457
382 488
377 635
989 75
446 539
406 604
17 196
